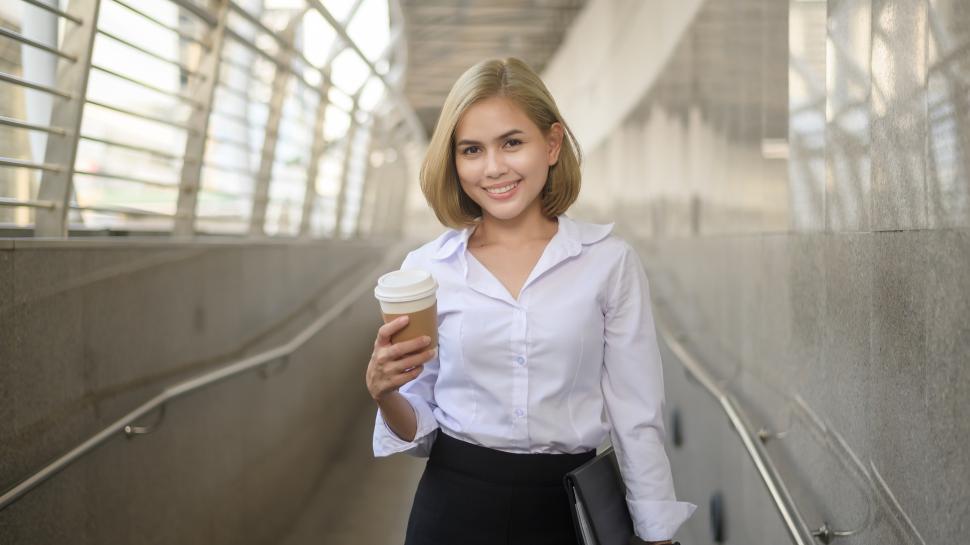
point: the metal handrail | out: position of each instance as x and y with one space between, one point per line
183 35
147 117
181 66
10 78
174 94
798 529
20 124
55 11
17 37
21 163
262 361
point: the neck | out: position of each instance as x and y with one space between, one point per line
527 227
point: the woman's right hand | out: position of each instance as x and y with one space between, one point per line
394 365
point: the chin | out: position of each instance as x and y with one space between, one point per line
504 213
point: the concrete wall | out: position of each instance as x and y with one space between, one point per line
90 330
796 177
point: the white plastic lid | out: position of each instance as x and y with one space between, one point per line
402 286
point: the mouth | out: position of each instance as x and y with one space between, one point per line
502 191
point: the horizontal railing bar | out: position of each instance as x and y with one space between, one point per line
259 25
236 118
146 181
233 91
163 24
174 94
229 168
265 54
134 147
152 54
797 528
19 163
35 44
7 201
202 14
11 122
238 65
122 210
237 143
245 70
128 178
146 117
226 219
230 370
55 11
237 195
9 78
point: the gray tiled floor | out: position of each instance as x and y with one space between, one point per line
363 500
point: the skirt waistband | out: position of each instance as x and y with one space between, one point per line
501 467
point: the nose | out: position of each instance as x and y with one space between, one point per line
495 165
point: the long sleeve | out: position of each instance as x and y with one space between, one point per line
633 393
420 394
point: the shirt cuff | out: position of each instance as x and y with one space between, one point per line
386 442
658 520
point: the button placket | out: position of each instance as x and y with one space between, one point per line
520 393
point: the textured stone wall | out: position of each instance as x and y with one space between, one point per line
91 330
797 177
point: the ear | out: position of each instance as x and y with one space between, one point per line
554 142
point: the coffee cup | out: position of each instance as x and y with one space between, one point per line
411 292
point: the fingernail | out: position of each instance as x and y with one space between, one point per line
426 339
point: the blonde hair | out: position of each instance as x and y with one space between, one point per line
513 79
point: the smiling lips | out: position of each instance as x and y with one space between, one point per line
503 191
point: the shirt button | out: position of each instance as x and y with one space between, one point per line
520 360
519 412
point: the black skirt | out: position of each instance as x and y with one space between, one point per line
473 495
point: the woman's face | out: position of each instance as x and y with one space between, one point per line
497 146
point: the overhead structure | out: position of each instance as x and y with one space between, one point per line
445 37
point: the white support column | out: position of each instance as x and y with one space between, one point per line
61 149
203 90
348 151
264 176
313 169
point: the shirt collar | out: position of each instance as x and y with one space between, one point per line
571 236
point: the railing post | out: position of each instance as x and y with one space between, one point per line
257 219
316 153
203 90
348 151
72 77
366 181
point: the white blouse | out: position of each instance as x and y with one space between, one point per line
534 375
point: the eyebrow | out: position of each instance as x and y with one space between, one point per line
505 135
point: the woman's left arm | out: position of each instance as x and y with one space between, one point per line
633 393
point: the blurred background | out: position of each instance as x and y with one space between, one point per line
197 196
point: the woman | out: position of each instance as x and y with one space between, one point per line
544 325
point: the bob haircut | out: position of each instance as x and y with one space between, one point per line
513 79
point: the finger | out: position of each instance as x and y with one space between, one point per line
407 376
396 351
403 364
390 328
405 348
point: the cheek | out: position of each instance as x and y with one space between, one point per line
467 171
532 163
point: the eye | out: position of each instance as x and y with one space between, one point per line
469 150
513 142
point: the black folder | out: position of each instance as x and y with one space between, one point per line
598 500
